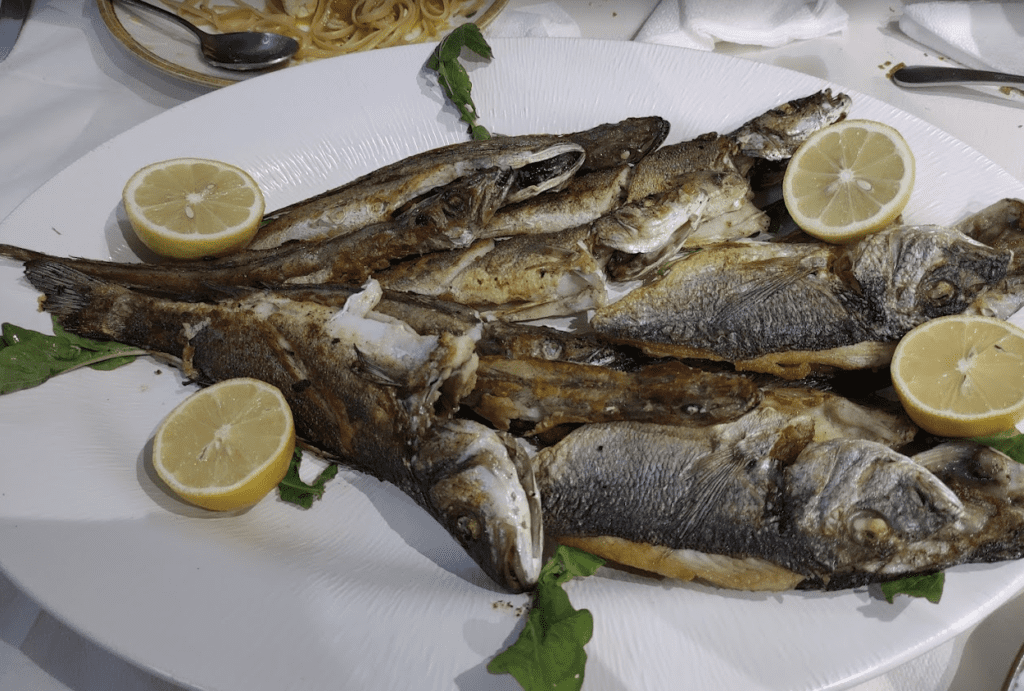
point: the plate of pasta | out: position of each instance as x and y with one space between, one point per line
324 28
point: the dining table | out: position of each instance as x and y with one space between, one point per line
68 86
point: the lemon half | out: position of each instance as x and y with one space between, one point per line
962 375
226 446
848 180
189 208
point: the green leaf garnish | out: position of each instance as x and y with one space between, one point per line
928 586
28 358
1010 442
452 76
293 490
549 651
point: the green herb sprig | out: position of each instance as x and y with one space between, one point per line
28 358
549 651
294 490
452 76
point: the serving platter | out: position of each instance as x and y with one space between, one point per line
364 590
172 49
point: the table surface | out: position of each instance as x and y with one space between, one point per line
69 86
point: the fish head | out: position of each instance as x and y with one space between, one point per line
479 484
915 273
855 504
450 212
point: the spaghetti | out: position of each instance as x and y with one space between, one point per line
336 26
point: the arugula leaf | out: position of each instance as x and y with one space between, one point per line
28 358
549 651
293 490
928 586
452 76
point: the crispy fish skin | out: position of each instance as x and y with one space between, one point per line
548 393
365 389
789 309
443 220
517 279
373 197
758 504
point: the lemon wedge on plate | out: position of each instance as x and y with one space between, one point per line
226 446
962 375
848 180
189 208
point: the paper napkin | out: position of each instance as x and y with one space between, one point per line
982 35
544 19
700 23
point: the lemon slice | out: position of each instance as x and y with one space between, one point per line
848 180
961 376
188 208
226 446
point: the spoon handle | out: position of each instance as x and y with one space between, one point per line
921 75
167 14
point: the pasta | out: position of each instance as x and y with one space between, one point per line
336 26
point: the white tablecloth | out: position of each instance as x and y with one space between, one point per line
69 86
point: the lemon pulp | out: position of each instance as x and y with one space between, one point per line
962 375
226 446
188 208
848 180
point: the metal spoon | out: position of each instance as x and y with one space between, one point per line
922 75
241 50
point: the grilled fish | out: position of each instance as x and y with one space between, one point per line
790 309
443 220
758 504
545 161
539 394
1000 225
365 389
776 134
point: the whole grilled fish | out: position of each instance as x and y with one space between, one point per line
444 219
545 161
365 389
790 309
757 504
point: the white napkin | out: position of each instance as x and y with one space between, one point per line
982 35
544 19
700 23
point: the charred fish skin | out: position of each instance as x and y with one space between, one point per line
365 389
544 394
1000 225
767 306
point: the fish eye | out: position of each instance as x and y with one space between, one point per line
941 292
869 527
468 528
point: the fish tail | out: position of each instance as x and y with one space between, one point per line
68 292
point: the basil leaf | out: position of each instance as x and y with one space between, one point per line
294 490
549 651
